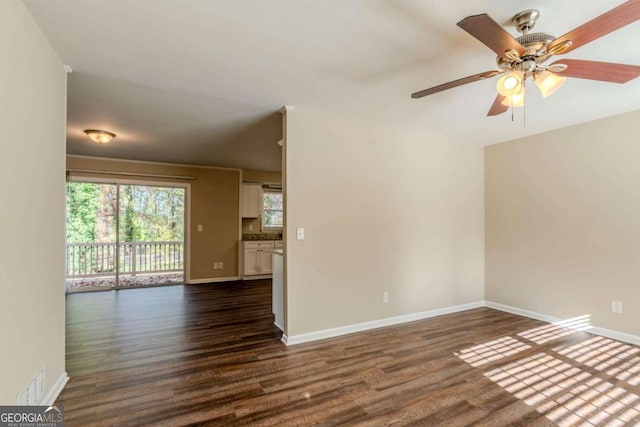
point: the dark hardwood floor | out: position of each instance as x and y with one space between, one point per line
210 355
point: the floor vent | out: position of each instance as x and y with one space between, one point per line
33 393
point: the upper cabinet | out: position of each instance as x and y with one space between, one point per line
251 200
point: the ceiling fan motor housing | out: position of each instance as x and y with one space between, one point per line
535 45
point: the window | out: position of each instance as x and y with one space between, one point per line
272 218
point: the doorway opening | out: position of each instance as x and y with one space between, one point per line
124 235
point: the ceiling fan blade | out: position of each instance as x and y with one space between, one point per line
455 83
497 107
612 20
603 71
489 32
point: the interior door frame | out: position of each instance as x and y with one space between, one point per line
149 183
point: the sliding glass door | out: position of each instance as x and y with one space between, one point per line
124 235
151 235
91 236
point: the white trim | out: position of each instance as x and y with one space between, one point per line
257 276
240 248
596 330
213 280
620 336
374 324
55 391
186 273
278 326
522 312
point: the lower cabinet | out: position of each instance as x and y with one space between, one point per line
257 257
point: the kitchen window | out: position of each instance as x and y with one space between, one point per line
272 217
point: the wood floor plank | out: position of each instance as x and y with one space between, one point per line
210 355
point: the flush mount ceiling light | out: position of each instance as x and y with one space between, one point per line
100 136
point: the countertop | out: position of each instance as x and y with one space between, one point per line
262 236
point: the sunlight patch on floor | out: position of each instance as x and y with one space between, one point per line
598 352
556 330
491 351
628 371
563 383
566 394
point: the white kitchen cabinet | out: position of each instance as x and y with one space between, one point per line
250 261
251 200
264 261
257 257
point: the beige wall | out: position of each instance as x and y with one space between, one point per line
254 222
266 177
32 129
214 204
563 222
383 209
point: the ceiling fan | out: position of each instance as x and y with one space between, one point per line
525 57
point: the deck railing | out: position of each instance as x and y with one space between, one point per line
98 259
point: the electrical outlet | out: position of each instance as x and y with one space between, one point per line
220 265
616 307
215 265
385 297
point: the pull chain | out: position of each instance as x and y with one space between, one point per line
524 106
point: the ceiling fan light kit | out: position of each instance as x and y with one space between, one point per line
523 58
509 84
516 100
548 82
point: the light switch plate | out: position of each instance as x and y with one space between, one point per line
300 233
616 307
199 227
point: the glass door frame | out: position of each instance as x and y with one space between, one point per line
145 183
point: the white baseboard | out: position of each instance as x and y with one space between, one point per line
213 280
55 391
258 276
522 312
359 327
620 336
365 326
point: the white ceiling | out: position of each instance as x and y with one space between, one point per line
201 81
